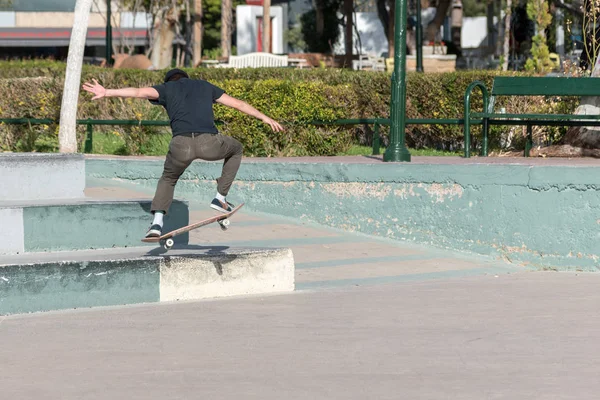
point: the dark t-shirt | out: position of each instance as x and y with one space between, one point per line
189 105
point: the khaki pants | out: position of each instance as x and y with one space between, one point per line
185 149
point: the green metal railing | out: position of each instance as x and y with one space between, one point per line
467 114
376 122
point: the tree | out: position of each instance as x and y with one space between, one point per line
266 26
5 5
320 26
226 22
537 10
161 51
506 46
434 26
197 32
385 12
348 13
474 8
591 34
165 27
67 137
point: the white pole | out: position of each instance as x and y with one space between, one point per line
67 137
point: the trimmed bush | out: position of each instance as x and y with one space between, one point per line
291 96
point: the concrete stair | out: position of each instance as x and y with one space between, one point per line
41 176
61 250
79 224
43 208
66 280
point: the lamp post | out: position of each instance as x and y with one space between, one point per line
419 33
397 150
108 34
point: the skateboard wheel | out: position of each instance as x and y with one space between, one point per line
225 222
169 243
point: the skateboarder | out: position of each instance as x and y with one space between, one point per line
188 103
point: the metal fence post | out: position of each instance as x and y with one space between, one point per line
89 140
376 142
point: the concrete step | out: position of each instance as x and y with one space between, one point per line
90 278
41 176
64 225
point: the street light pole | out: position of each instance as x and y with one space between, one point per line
108 34
419 41
397 150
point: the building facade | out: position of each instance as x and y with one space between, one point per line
42 28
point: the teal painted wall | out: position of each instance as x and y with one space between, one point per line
543 216
95 225
55 286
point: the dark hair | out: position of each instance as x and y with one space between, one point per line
175 75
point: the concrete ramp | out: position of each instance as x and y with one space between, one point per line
66 280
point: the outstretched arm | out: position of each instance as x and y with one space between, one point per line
248 109
100 91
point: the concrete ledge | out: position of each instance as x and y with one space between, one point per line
81 224
41 176
55 281
536 212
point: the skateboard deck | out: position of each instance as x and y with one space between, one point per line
222 219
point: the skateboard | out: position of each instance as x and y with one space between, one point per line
167 242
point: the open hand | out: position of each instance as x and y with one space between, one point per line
273 124
97 89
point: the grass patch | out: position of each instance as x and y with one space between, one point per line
108 143
157 144
152 144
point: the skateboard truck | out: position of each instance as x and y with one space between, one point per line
224 224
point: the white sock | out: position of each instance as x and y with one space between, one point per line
220 197
158 218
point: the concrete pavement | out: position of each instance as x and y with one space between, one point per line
371 319
519 336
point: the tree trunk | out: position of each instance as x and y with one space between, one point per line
384 16
440 14
162 50
266 26
67 134
491 31
226 20
348 42
456 17
507 31
197 32
319 16
499 47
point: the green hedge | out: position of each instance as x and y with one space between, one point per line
33 89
